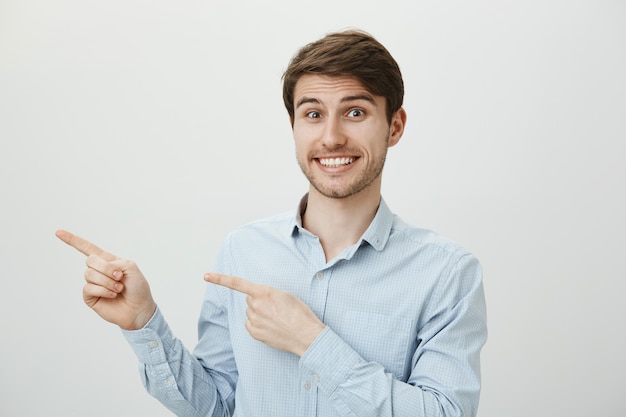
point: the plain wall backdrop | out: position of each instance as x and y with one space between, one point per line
155 127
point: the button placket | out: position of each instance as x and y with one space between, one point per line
319 291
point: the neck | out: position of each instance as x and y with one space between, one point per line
340 222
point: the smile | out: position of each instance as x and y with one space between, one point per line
336 162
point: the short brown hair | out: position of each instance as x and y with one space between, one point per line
349 53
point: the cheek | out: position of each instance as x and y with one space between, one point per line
303 136
374 138
301 147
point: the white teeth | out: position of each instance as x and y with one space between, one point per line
336 162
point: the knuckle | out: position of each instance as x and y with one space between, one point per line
254 305
126 265
89 291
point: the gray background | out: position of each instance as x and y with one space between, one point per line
155 127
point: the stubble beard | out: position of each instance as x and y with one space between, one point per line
360 183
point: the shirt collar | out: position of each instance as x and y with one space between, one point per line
294 226
379 230
376 234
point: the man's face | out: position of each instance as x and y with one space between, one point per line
342 135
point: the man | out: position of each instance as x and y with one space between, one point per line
337 309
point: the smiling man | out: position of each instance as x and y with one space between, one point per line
336 309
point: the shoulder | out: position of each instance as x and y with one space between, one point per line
457 270
423 239
253 242
272 226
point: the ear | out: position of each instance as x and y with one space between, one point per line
396 127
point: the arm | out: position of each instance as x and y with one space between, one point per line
117 291
175 377
445 377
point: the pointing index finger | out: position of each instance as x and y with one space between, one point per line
234 283
82 245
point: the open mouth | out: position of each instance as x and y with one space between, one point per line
336 162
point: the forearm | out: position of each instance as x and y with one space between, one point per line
358 387
172 374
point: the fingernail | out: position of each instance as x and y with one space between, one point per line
118 287
117 274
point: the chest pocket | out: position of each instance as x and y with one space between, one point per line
380 338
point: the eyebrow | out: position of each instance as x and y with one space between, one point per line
366 97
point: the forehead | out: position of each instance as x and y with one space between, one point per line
320 86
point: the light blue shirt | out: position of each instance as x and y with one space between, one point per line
405 322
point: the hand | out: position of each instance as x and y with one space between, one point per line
115 288
276 318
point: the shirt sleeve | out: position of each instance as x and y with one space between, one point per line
445 376
174 376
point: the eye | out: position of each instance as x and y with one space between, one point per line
313 115
356 113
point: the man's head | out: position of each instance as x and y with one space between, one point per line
353 54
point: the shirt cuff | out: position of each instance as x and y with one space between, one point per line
152 341
330 360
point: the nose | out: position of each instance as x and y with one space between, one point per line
333 134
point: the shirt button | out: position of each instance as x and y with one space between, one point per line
319 276
316 378
170 382
153 343
307 385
